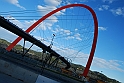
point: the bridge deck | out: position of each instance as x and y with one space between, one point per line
36 66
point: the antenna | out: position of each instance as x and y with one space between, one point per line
52 41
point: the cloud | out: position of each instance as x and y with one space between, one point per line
77 36
9 36
81 58
42 26
15 21
29 23
53 2
76 29
102 28
23 25
62 31
45 9
50 6
107 64
109 1
67 33
45 25
118 11
100 9
16 3
75 56
103 7
26 24
70 37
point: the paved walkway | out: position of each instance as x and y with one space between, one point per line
8 79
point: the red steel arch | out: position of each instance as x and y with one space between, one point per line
59 9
